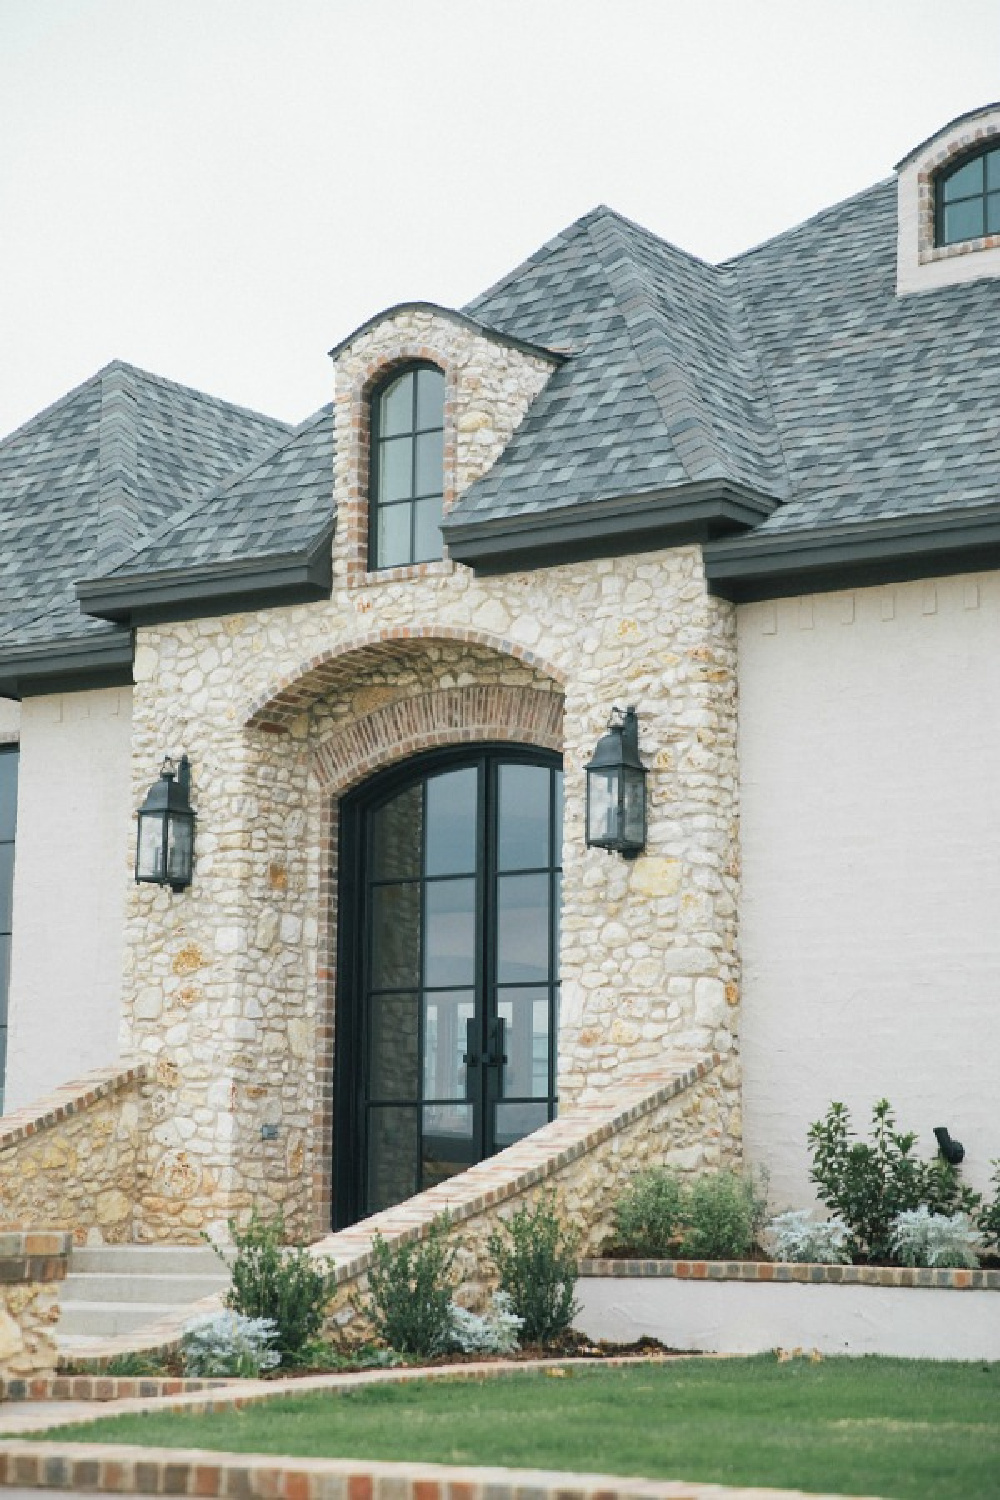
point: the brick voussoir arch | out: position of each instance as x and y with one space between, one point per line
447 716
316 675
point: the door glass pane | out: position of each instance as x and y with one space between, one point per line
526 1042
395 472
557 792
446 1017
514 1121
963 221
522 928
8 793
6 885
4 976
395 937
394 1069
393 1156
523 817
396 832
450 933
428 543
449 1142
430 398
393 536
452 825
396 412
430 463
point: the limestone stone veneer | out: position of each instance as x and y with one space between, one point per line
230 987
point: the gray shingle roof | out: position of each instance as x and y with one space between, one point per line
274 506
85 479
886 406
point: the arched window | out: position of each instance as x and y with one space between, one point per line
407 468
967 199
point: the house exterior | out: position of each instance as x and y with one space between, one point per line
757 501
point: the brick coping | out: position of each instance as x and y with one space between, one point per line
787 1271
250 1476
69 1099
100 1387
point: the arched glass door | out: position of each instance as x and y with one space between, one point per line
448 1005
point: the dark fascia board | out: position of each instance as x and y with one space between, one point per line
606 528
554 356
213 588
780 564
66 666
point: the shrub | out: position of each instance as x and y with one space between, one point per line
922 1238
135 1364
796 1236
988 1217
227 1343
535 1259
724 1214
871 1183
409 1291
648 1216
286 1285
495 1332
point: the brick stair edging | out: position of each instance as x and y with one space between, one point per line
800 1272
249 1476
70 1099
100 1387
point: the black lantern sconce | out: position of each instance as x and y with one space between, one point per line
616 789
165 846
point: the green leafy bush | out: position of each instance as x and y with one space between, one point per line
870 1183
285 1284
536 1262
988 1217
724 1214
649 1214
409 1291
715 1217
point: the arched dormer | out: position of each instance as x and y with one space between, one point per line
949 205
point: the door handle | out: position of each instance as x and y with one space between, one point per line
496 1055
471 1059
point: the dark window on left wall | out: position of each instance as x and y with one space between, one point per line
8 824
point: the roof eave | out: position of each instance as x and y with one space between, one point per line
213 588
66 666
607 527
781 564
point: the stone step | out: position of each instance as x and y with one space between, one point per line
107 1319
142 1260
116 1286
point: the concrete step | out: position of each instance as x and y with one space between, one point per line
107 1319
114 1286
142 1260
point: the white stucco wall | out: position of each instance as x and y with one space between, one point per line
73 816
869 752
10 720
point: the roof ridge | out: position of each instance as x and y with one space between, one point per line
205 397
551 246
53 406
201 501
816 218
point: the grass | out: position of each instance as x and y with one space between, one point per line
895 1428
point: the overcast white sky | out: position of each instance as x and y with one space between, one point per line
219 190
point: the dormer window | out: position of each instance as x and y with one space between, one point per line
967 199
407 468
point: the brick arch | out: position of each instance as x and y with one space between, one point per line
318 675
447 716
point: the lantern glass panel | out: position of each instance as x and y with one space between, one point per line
603 811
634 809
179 847
149 865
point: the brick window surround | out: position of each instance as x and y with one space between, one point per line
968 143
478 714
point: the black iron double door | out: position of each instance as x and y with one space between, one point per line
449 994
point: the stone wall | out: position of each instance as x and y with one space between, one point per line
71 1161
32 1264
674 1115
230 986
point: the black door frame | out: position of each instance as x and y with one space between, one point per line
349 1159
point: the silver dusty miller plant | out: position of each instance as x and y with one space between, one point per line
797 1236
493 1332
227 1343
921 1238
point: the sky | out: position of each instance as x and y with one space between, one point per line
220 190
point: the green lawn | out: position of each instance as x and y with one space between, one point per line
903 1428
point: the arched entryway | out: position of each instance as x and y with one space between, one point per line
448 988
